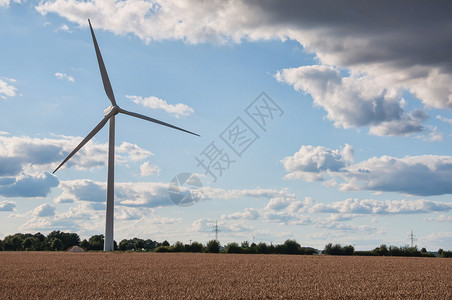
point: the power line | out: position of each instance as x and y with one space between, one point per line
216 230
413 238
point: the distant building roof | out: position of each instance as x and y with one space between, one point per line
76 249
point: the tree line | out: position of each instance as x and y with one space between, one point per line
383 250
61 241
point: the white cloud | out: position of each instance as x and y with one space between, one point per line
6 3
441 218
64 76
382 62
44 210
313 163
150 194
28 186
247 214
423 175
354 101
216 193
7 90
178 110
437 240
34 154
146 169
7 206
432 135
346 227
278 203
65 28
375 207
25 161
447 120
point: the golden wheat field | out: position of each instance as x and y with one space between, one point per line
63 275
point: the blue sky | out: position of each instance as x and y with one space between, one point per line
359 152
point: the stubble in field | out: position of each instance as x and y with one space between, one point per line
46 275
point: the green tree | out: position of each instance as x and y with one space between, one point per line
328 249
96 242
39 241
123 245
139 244
165 243
17 242
213 246
178 247
262 248
233 248
67 239
195 247
162 249
84 244
57 245
348 250
29 244
291 247
150 244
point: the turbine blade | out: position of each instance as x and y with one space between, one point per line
154 121
103 70
85 140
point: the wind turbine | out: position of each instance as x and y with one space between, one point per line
109 115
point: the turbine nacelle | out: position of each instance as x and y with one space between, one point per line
111 110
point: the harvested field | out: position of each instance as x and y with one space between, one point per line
65 275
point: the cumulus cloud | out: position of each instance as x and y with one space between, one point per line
18 153
447 120
247 214
147 169
217 193
354 101
44 210
6 89
7 206
441 218
149 194
86 219
64 28
376 207
64 76
386 48
28 185
282 210
177 110
423 175
25 162
313 163
6 3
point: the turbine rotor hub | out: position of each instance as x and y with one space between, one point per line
111 109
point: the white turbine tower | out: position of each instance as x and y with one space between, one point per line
109 115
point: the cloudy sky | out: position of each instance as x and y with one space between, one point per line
320 121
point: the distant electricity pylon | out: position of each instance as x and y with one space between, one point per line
412 237
216 230
254 237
